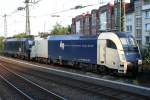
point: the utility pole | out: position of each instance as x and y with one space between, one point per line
122 15
44 26
5 25
27 30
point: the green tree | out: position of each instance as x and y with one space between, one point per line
59 29
23 35
44 34
69 29
1 42
146 53
146 1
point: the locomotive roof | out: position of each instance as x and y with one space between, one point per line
124 34
70 37
17 39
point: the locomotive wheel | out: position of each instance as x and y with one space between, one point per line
102 69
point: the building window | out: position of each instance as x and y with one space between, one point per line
147 27
78 27
129 19
138 22
87 21
93 19
147 14
129 28
103 21
138 32
147 38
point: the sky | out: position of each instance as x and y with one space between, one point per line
40 14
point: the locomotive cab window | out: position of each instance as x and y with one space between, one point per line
111 44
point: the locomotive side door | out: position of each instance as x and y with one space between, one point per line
102 52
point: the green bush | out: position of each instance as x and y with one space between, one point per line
146 55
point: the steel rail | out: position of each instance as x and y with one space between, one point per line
96 89
58 97
140 91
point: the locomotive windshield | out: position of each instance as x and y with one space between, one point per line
130 47
130 41
129 44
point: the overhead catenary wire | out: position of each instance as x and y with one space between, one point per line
5 20
53 14
14 12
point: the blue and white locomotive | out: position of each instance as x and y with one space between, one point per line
118 52
18 47
115 51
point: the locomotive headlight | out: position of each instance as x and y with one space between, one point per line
139 62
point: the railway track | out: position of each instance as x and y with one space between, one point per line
109 93
101 90
25 87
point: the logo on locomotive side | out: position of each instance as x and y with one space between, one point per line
62 45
